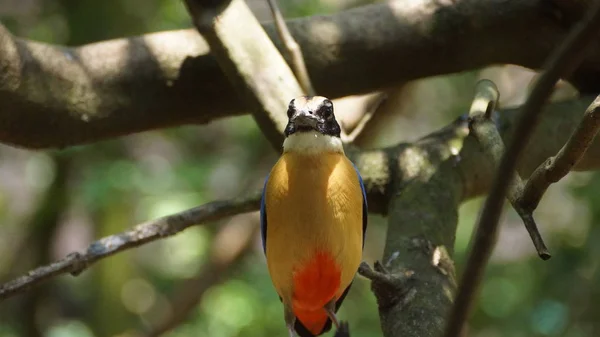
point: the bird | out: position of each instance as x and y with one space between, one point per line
313 218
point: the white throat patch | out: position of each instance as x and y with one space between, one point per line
312 143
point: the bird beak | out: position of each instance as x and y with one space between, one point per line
303 118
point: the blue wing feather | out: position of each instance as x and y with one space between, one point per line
365 206
263 217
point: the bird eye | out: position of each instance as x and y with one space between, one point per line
327 111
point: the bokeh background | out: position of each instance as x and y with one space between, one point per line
212 280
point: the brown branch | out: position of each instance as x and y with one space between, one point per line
413 282
251 62
560 64
484 129
118 87
75 263
556 167
419 242
232 243
293 51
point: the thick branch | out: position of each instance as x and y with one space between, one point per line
250 61
76 262
415 292
52 96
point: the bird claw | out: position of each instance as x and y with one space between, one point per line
290 321
330 310
343 330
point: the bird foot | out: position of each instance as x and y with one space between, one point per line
290 320
343 330
330 310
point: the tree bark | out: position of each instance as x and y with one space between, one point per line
55 96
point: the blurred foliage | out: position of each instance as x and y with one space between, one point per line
55 203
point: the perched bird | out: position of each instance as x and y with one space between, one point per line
313 219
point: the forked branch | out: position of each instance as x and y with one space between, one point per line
484 129
556 167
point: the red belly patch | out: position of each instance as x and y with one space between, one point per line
316 282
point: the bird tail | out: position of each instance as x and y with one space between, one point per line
343 331
317 319
312 323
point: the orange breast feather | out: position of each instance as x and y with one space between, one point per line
314 233
315 283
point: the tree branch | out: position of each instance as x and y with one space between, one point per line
560 64
414 289
75 263
556 167
292 49
250 61
484 129
370 109
118 87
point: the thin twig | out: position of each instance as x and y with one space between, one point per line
293 49
230 246
370 109
560 64
555 168
75 263
488 136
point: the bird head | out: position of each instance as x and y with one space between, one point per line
312 126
